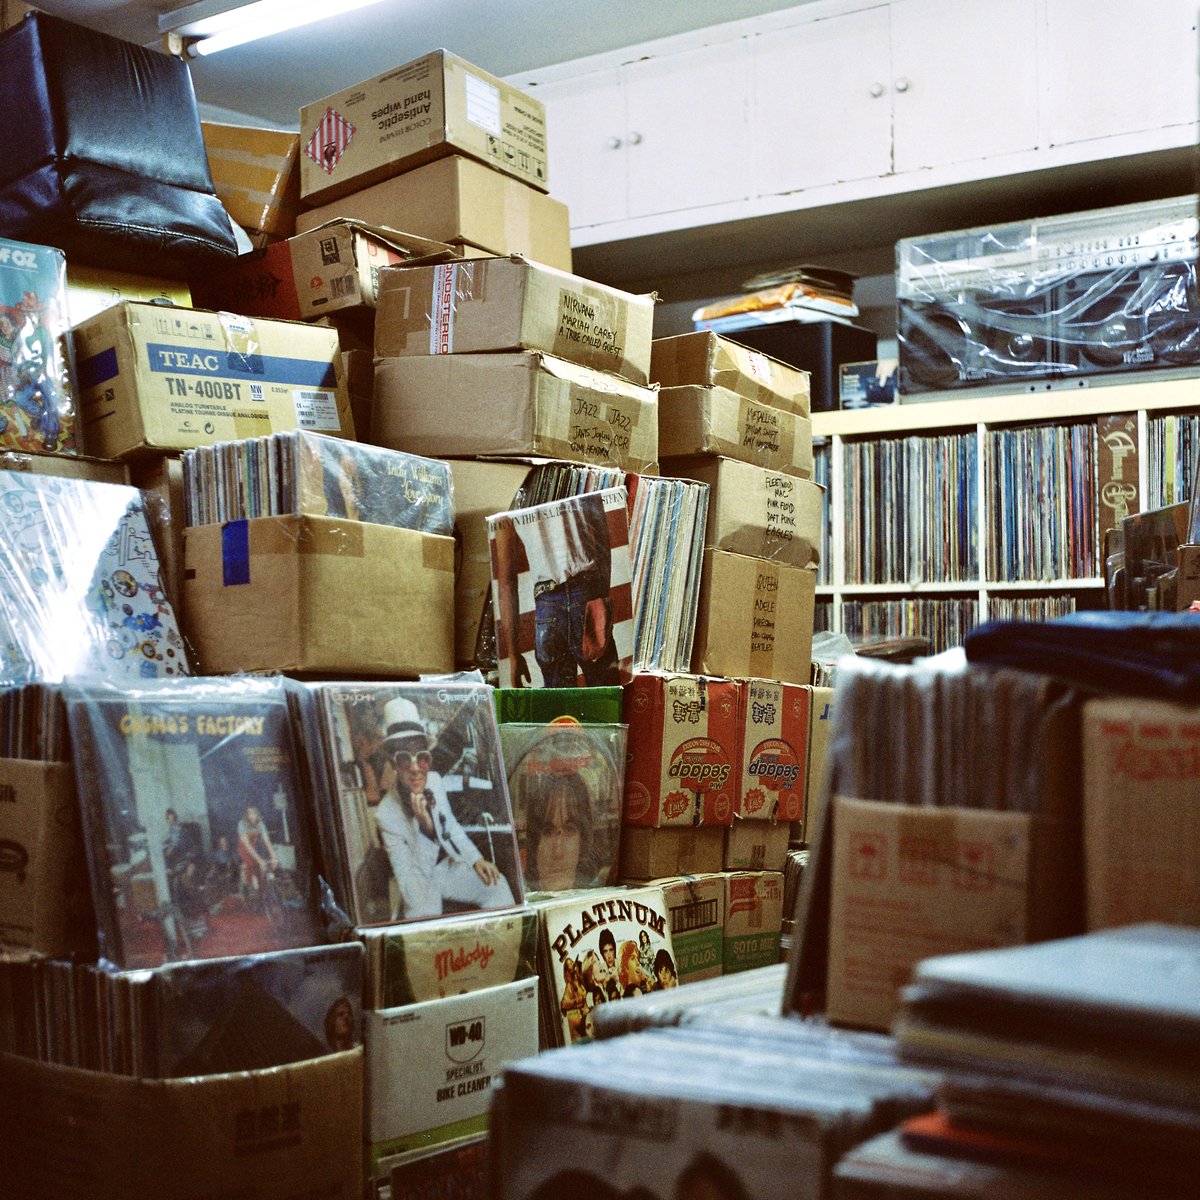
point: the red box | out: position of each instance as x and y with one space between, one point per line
773 727
683 760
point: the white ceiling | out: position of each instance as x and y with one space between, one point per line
270 80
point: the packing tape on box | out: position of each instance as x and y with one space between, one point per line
768 432
296 535
590 322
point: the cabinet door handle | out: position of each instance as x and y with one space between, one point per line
877 90
614 143
902 84
635 139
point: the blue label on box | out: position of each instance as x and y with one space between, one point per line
235 552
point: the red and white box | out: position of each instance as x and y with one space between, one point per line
773 721
682 767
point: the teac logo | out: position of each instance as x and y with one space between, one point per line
465 1039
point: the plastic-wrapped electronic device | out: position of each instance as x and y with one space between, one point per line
1070 296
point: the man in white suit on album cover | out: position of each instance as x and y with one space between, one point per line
432 857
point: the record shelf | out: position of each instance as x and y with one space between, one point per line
1032 451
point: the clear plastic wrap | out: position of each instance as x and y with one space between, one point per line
80 586
1069 296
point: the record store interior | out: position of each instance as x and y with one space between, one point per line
599 603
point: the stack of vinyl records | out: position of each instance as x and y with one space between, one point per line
666 519
33 723
1072 1069
300 472
694 1111
205 1017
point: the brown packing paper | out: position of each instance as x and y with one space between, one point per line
507 405
494 304
714 420
705 359
316 594
913 882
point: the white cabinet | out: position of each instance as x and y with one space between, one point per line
1115 67
655 135
895 88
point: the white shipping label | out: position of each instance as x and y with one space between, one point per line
483 104
317 410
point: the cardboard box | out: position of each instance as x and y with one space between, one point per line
912 882
490 304
1141 812
683 746
154 378
820 709
481 489
774 722
90 290
648 853
755 619
330 269
431 1066
464 203
359 369
714 420
45 901
753 919
756 846
69 466
314 594
264 1135
424 110
256 173
510 405
696 911
706 359
755 511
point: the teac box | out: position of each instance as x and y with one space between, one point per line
464 203
426 109
155 378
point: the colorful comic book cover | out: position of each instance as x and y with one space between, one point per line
419 791
562 592
424 960
80 584
37 411
602 946
566 782
260 1010
194 820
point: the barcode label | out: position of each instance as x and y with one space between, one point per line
343 285
317 410
700 914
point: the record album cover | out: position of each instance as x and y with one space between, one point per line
601 946
80 584
263 1010
422 821
193 819
565 780
562 592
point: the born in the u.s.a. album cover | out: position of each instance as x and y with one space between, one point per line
194 821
